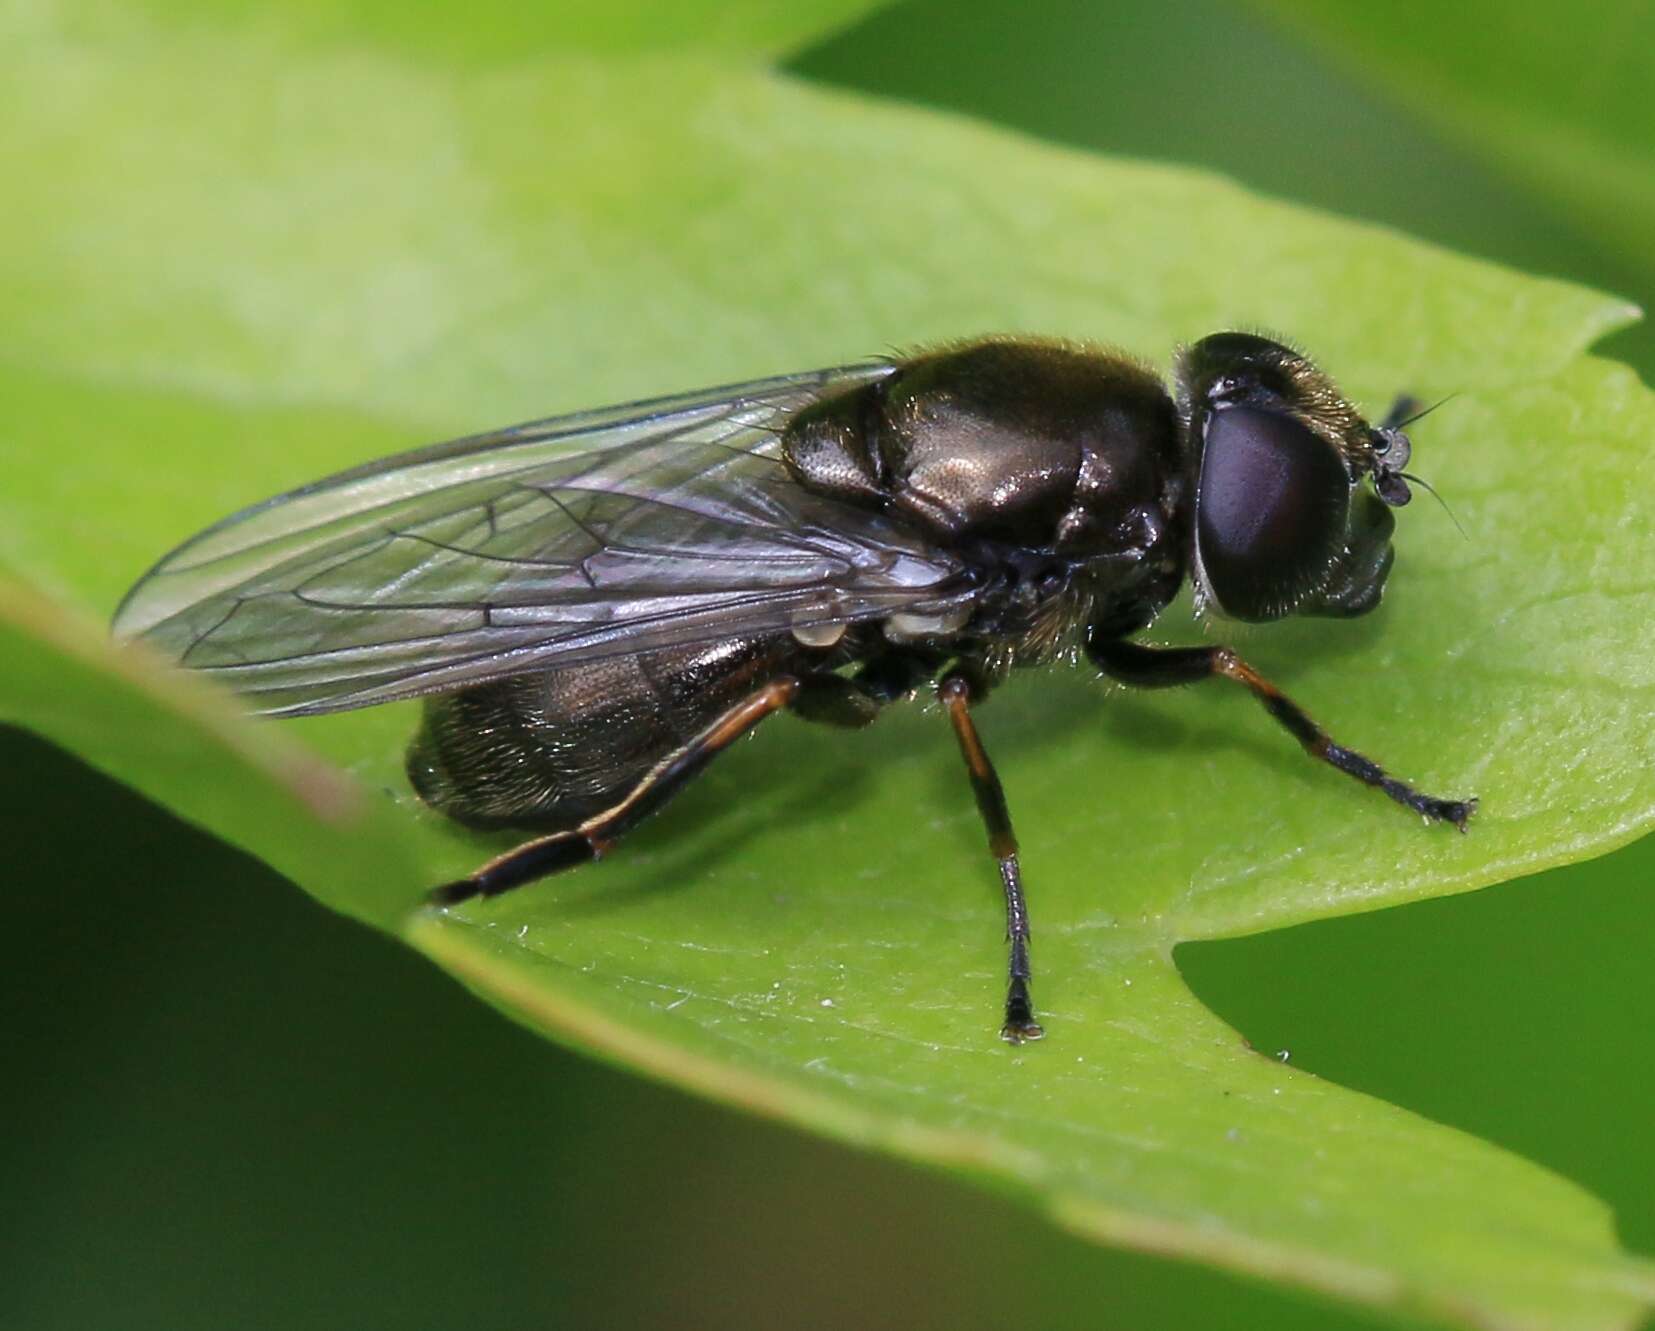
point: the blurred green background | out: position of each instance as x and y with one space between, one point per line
296 1137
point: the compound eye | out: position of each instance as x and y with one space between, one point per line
1271 509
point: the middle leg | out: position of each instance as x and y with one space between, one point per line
955 692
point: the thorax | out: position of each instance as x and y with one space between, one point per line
1051 471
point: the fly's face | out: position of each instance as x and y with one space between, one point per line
1283 521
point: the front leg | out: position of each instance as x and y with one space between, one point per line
1163 667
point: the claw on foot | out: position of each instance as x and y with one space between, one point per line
1020 1023
450 894
1018 1032
1457 812
1429 807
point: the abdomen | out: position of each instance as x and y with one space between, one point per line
552 749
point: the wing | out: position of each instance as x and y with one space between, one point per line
548 544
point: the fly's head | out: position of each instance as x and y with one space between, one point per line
1292 489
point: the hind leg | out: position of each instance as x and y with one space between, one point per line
592 838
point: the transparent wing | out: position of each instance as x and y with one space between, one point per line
548 544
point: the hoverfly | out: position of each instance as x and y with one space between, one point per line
596 605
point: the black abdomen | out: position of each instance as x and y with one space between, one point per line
552 749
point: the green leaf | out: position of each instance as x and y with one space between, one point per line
490 32
241 264
1561 108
